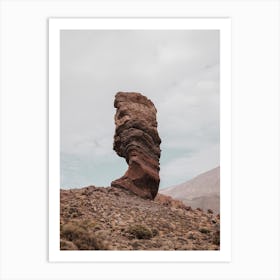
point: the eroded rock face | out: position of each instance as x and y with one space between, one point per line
137 140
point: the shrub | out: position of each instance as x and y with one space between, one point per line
204 230
67 245
80 236
154 232
140 232
191 235
216 239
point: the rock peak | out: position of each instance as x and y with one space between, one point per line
137 140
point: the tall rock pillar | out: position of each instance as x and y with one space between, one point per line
137 140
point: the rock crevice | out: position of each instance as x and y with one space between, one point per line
137 140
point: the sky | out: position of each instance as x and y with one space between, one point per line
177 69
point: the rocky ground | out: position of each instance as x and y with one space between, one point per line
98 218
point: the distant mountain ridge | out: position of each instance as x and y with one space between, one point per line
203 191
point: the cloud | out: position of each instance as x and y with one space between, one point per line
185 166
177 70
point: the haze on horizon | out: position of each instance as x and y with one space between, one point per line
177 70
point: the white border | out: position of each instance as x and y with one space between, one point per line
222 24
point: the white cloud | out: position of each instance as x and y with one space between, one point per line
177 70
185 167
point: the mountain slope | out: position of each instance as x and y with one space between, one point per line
202 191
98 218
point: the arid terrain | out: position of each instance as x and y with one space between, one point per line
203 191
131 214
99 218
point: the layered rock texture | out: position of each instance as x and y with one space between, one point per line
137 140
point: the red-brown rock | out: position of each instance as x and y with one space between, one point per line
137 140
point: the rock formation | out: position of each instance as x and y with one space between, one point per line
137 140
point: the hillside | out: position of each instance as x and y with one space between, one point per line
99 218
202 191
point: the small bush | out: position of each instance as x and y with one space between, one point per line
191 236
216 239
204 230
67 245
140 232
73 212
154 232
80 236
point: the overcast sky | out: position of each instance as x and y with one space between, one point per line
177 70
